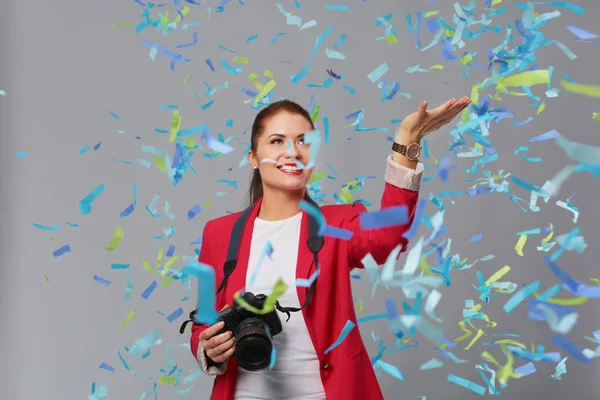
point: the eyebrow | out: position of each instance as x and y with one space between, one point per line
283 136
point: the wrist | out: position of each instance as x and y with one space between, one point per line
407 137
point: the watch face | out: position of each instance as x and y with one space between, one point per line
413 150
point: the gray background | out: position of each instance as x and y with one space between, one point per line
63 67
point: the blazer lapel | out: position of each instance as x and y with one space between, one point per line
237 280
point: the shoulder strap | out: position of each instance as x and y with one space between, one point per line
314 243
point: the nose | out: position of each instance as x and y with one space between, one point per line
292 150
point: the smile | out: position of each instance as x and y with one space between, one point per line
290 169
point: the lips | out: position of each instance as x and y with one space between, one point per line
290 169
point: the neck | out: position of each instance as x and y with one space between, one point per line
277 205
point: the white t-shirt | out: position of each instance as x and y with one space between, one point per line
295 374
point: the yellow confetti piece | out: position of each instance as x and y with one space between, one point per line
513 342
596 116
159 161
595 280
586 90
467 332
467 58
122 24
527 78
186 79
175 123
265 90
564 302
436 66
46 278
520 243
167 281
254 80
431 13
424 266
240 59
360 306
269 74
547 238
207 204
391 39
52 240
346 196
448 32
315 113
184 12
317 176
476 338
497 275
159 258
127 319
148 267
116 239
269 304
167 380
494 2
541 108
168 264
190 144
474 100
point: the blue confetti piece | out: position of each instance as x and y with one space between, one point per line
210 64
106 367
520 296
480 390
571 348
318 42
476 238
113 114
85 204
194 41
101 280
148 291
131 207
175 314
417 220
277 36
392 216
251 38
47 228
170 251
21 154
65 249
334 7
347 329
544 136
119 266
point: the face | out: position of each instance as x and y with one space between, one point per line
278 147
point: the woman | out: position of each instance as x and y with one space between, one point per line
303 370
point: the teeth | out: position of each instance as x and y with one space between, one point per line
289 168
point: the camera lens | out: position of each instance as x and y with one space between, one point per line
253 345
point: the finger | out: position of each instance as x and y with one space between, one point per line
225 356
216 341
211 330
423 107
224 347
225 306
444 108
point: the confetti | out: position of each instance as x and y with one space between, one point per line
101 280
343 334
127 319
85 204
65 249
116 239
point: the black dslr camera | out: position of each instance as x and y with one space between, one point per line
253 332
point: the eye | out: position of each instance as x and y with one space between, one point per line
276 141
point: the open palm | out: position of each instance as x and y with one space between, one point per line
423 121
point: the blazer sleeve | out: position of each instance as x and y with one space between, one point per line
206 365
402 187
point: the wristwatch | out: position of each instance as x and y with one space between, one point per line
412 151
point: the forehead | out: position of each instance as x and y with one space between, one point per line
287 124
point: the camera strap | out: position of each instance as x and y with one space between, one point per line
314 243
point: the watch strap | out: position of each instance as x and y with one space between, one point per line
399 148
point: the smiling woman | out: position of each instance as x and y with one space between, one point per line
279 155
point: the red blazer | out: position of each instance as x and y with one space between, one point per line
346 371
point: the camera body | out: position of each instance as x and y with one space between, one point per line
252 332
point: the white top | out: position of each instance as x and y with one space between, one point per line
295 374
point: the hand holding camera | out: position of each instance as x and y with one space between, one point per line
217 346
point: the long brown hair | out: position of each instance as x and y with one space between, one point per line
258 127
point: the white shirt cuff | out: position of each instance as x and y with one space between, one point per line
218 369
404 177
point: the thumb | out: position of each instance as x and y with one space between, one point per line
423 107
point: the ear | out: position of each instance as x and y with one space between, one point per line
252 159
